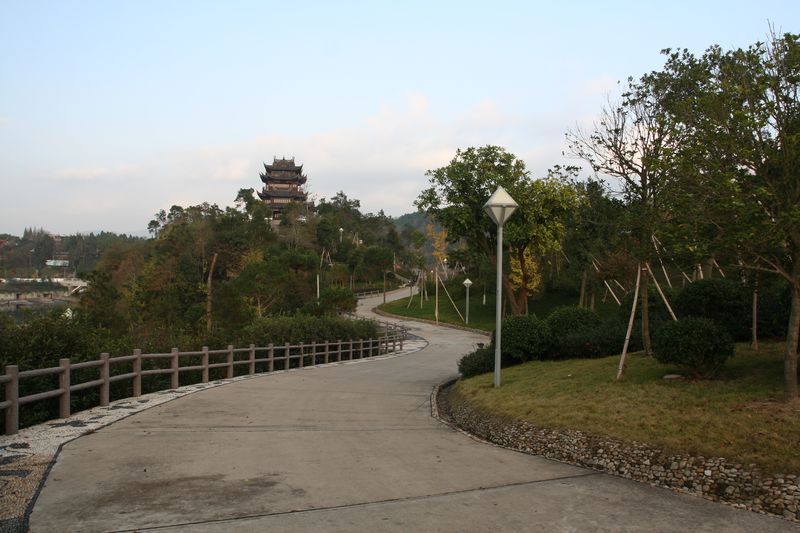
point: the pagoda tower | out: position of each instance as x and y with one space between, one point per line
283 184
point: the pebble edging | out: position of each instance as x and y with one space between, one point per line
714 478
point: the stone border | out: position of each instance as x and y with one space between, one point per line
713 478
432 322
27 457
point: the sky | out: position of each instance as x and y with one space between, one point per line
111 111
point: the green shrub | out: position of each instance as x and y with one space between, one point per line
478 362
568 319
305 328
610 337
525 337
726 302
697 345
573 332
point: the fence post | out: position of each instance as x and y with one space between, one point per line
229 368
361 349
339 351
270 357
286 351
327 352
12 397
251 368
394 341
402 336
174 366
137 373
350 351
63 384
302 350
104 375
204 362
313 353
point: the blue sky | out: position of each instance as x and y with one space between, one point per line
110 111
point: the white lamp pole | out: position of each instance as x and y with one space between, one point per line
467 284
341 230
500 206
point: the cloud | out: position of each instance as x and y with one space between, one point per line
380 159
95 173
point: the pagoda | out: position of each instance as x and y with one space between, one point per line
283 184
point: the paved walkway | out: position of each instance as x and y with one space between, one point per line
342 448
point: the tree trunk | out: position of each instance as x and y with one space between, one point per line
209 293
648 348
582 298
792 333
708 268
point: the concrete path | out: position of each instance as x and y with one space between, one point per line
343 448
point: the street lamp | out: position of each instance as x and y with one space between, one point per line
341 230
467 284
500 206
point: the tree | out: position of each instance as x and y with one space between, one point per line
741 111
459 190
635 144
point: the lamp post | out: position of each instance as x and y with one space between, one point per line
500 206
467 284
341 230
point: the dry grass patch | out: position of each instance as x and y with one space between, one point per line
738 416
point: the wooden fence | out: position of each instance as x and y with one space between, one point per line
299 355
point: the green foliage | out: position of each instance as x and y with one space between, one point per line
525 338
478 362
573 331
724 301
459 190
305 328
695 344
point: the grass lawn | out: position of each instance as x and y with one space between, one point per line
481 316
738 416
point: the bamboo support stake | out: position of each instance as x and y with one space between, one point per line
663 268
621 369
663 297
451 301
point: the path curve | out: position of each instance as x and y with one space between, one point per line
342 448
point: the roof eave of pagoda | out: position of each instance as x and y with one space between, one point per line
265 178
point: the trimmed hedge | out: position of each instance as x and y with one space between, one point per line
726 302
525 337
697 345
478 362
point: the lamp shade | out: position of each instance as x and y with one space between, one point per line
500 206
467 282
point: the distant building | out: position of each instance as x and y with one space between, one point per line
283 184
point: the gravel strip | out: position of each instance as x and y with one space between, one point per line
712 478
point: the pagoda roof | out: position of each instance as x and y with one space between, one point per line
282 175
265 194
283 164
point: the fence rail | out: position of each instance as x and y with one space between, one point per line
300 355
